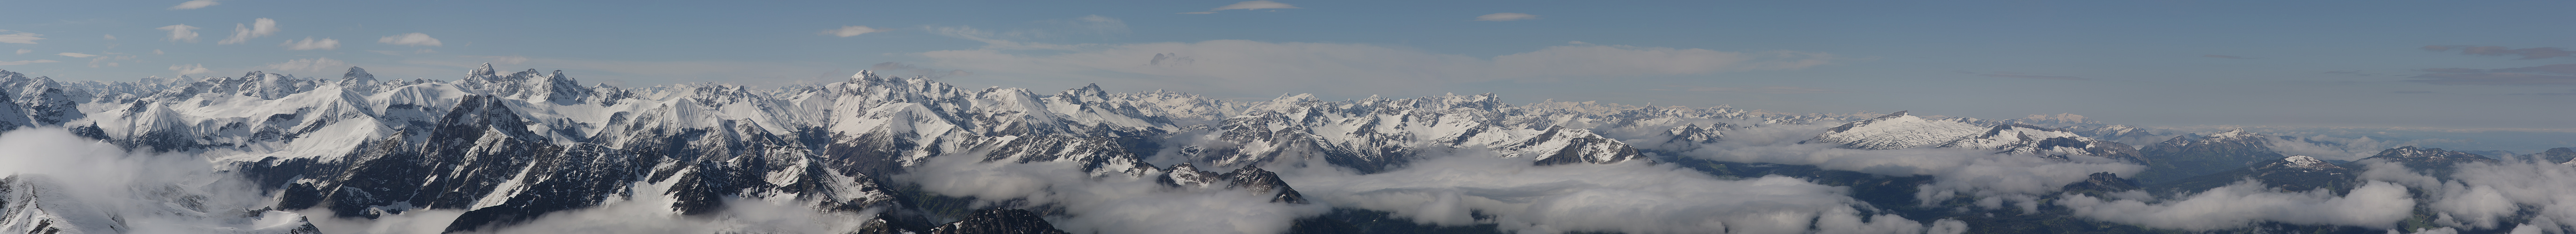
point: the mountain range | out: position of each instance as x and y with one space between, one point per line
504 149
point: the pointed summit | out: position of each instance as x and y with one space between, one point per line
357 74
866 76
485 71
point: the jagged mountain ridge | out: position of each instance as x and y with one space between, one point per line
506 148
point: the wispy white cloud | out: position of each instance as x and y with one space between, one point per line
1769 89
194 4
410 39
7 36
995 40
243 33
2526 53
1254 5
1247 5
25 62
181 32
1093 24
2022 75
310 44
307 65
849 31
190 69
24 51
108 36
157 52
1505 16
75 55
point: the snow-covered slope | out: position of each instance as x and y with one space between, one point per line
505 147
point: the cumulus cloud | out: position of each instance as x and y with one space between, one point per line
75 55
1268 67
410 39
2023 75
2554 74
7 36
1475 188
194 4
1506 16
190 69
848 31
181 32
309 44
307 65
243 33
909 69
25 62
2526 53
2374 204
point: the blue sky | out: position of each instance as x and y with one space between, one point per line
2280 63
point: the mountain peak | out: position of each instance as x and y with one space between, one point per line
485 71
357 74
1897 131
2303 161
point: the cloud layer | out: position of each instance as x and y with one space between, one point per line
2525 53
2554 74
1505 16
2376 205
7 36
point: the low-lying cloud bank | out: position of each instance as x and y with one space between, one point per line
2376 205
1995 180
1630 197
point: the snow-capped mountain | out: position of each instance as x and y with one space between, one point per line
2193 154
506 147
1900 130
498 149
